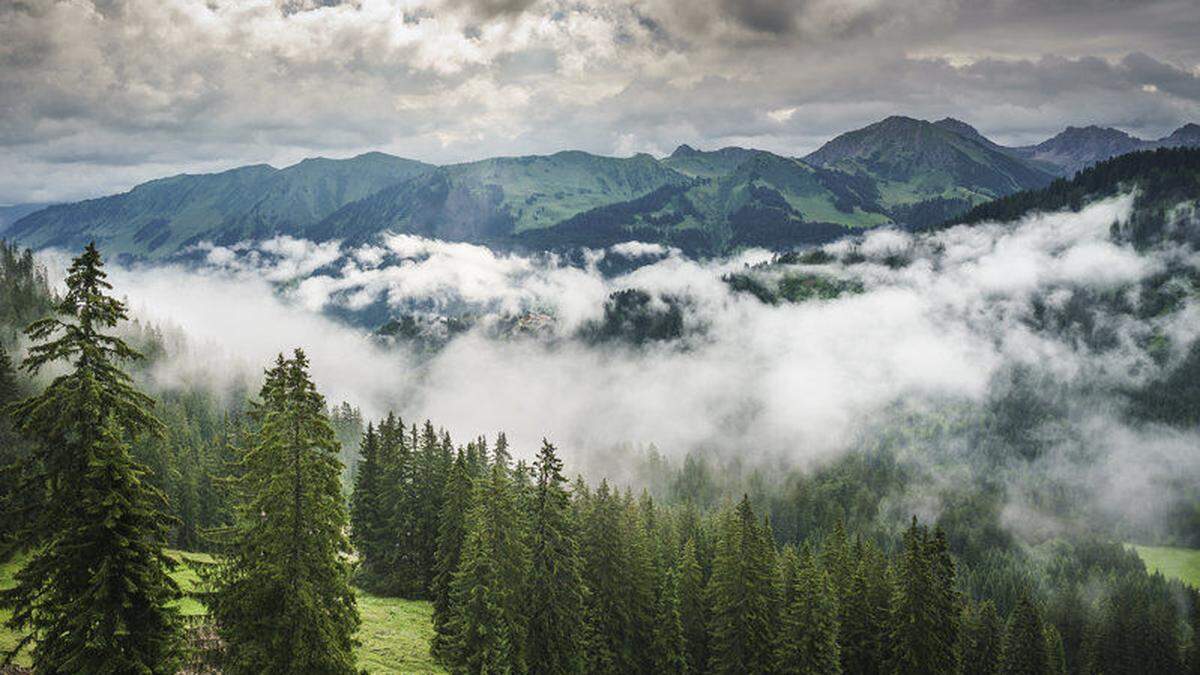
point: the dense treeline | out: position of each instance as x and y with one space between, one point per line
399 490
531 574
1164 178
24 292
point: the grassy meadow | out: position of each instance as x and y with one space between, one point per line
394 637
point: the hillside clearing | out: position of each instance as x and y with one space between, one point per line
394 636
1177 563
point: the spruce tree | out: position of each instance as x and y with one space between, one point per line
611 608
1025 642
429 476
489 590
920 640
1192 655
282 600
863 638
641 581
669 652
93 595
982 639
1056 658
451 533
838 561
501 456
16 505
405 574
742 596
947 604
807 641
366 526
555 600
693 609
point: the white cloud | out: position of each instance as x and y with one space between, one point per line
791 380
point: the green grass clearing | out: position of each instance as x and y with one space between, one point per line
394 636
1176 563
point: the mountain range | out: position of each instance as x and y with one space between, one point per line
900 170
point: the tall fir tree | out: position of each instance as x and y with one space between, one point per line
405 575
282 600
452 523
366 525
693 608
641 580
742 593
982 639
93 595
489 589
612 611
1025 642
1056 657
947 604
807 641
16 505
839 561
920 628
429 477
555 599
863 637
1192 655
670 655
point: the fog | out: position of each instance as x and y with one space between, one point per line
790 383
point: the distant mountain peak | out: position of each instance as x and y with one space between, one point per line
901 119
685 150
908 151
1076 148
965 130
1188 134
1091 131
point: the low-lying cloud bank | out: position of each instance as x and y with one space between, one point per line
941 319
938 326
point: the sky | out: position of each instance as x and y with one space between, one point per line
99 95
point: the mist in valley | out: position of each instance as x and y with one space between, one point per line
924 343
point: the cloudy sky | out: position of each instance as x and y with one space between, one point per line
98 95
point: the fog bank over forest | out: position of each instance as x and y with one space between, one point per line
941 328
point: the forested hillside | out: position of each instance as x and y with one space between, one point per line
1166 183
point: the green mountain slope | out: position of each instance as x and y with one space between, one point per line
493 198
901 170
914 160
13 213
161 217
762 200
707 164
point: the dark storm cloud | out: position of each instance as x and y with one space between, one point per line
96 96
768 16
